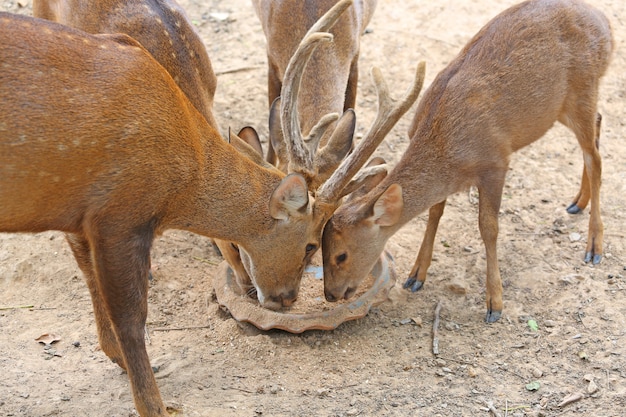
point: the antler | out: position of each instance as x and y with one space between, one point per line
301 150
389 112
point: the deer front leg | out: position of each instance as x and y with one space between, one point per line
417 277
106 337
490 196
122 263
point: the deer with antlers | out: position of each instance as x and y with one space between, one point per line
112 152
329 84
300 153
536 63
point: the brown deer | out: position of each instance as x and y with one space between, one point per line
99 142
317 165
536 63
162 27
330 80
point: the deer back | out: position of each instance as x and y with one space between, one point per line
161 27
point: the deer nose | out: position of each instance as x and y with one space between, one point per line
285 299
330 297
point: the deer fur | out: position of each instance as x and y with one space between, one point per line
99 142
534 64
329 84
160 26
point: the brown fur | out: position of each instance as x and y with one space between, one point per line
330 80
160 26
536 63
99 142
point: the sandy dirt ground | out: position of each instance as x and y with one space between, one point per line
208 364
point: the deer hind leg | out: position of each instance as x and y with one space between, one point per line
108 341
585 123
490 192
582 198
417 277
122 263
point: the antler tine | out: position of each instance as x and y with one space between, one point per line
389 112
301 159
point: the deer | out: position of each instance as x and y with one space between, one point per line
162 27
330 81
99 142
315 164
534 64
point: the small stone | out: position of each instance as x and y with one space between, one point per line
537 373
574 237
471 371
440 362
592 387
76 344
352 412
549 323
588 377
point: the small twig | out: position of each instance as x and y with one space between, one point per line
206 261
240 69
577 396
436 329
238 389
493 409
15 307
167 329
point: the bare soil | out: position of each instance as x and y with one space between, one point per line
208 364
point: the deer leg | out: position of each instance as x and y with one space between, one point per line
274 85
582 198
417 277
108 342
585 122
490 192
122 262
232 256
351 87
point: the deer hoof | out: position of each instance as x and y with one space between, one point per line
413 284
573 209
590 257
493 316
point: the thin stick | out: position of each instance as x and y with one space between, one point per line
239 69
15 307
206 261
493 409
436 330
167 329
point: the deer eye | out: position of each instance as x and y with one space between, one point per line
310 248
341 258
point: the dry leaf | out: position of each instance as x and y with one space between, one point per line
48 338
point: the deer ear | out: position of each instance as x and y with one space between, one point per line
388 207
290 198
251 137
339 145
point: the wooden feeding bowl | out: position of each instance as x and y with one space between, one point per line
310 311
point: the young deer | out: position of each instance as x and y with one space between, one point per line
161 27
99 142
534 64
330 80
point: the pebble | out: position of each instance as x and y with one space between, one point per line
537 373
440 362
574 237
472 372
592 387
549 323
